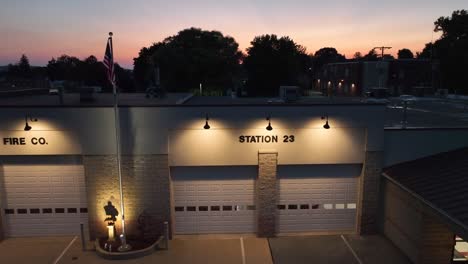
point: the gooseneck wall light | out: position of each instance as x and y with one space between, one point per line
206 126
269 127
326 126
27 127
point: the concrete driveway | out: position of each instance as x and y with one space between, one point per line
246 250
201 250
37 250
350 249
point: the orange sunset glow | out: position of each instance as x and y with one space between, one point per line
46 29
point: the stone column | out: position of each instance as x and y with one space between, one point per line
146 188
2 197
266 193
369 188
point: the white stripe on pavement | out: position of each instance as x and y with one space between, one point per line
351 249
65 250
242 250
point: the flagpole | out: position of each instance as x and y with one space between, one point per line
124 246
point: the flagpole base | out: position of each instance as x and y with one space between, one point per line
124 248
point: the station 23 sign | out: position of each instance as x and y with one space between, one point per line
266 139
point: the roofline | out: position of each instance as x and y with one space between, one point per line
192 105
399 129
426 202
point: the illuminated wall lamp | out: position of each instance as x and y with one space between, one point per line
326 126
27 127
269 127
206 126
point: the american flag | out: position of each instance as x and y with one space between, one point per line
109 62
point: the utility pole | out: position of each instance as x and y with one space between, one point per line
382 50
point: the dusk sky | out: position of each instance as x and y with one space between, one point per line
48 28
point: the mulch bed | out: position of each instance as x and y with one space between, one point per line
136 244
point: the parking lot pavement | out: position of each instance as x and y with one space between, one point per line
191 250
40 250
332 249
435 113
311 249
376 249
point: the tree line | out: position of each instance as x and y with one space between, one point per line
195 57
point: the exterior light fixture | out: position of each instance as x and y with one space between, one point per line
326 126
269 127
27 127
206 126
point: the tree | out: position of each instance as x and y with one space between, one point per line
357 56
371 56
143 67
388 57
327 55
427 52
454 27
89 72
191 57
64 68
272 62
451 51
24 66
405 54
21 69
124 79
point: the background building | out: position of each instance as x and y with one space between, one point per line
402 76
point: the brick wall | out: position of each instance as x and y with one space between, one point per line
2 200
414 228
2 230
437 241
146 188
369 188
266 194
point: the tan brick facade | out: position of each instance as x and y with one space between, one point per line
146 187
266 194
369 193
2 231
437 241
415 229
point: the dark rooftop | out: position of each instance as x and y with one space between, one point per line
425 112
99 99
140 99
441 180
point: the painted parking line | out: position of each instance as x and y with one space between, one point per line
242 249
65 250
352 250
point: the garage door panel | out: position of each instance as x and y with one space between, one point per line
221 197
34 193
315 194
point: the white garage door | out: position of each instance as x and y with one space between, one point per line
214 200
44 200
325 201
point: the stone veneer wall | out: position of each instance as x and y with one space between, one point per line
146 188
2 200
2 197
369 188
414 229
266 194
